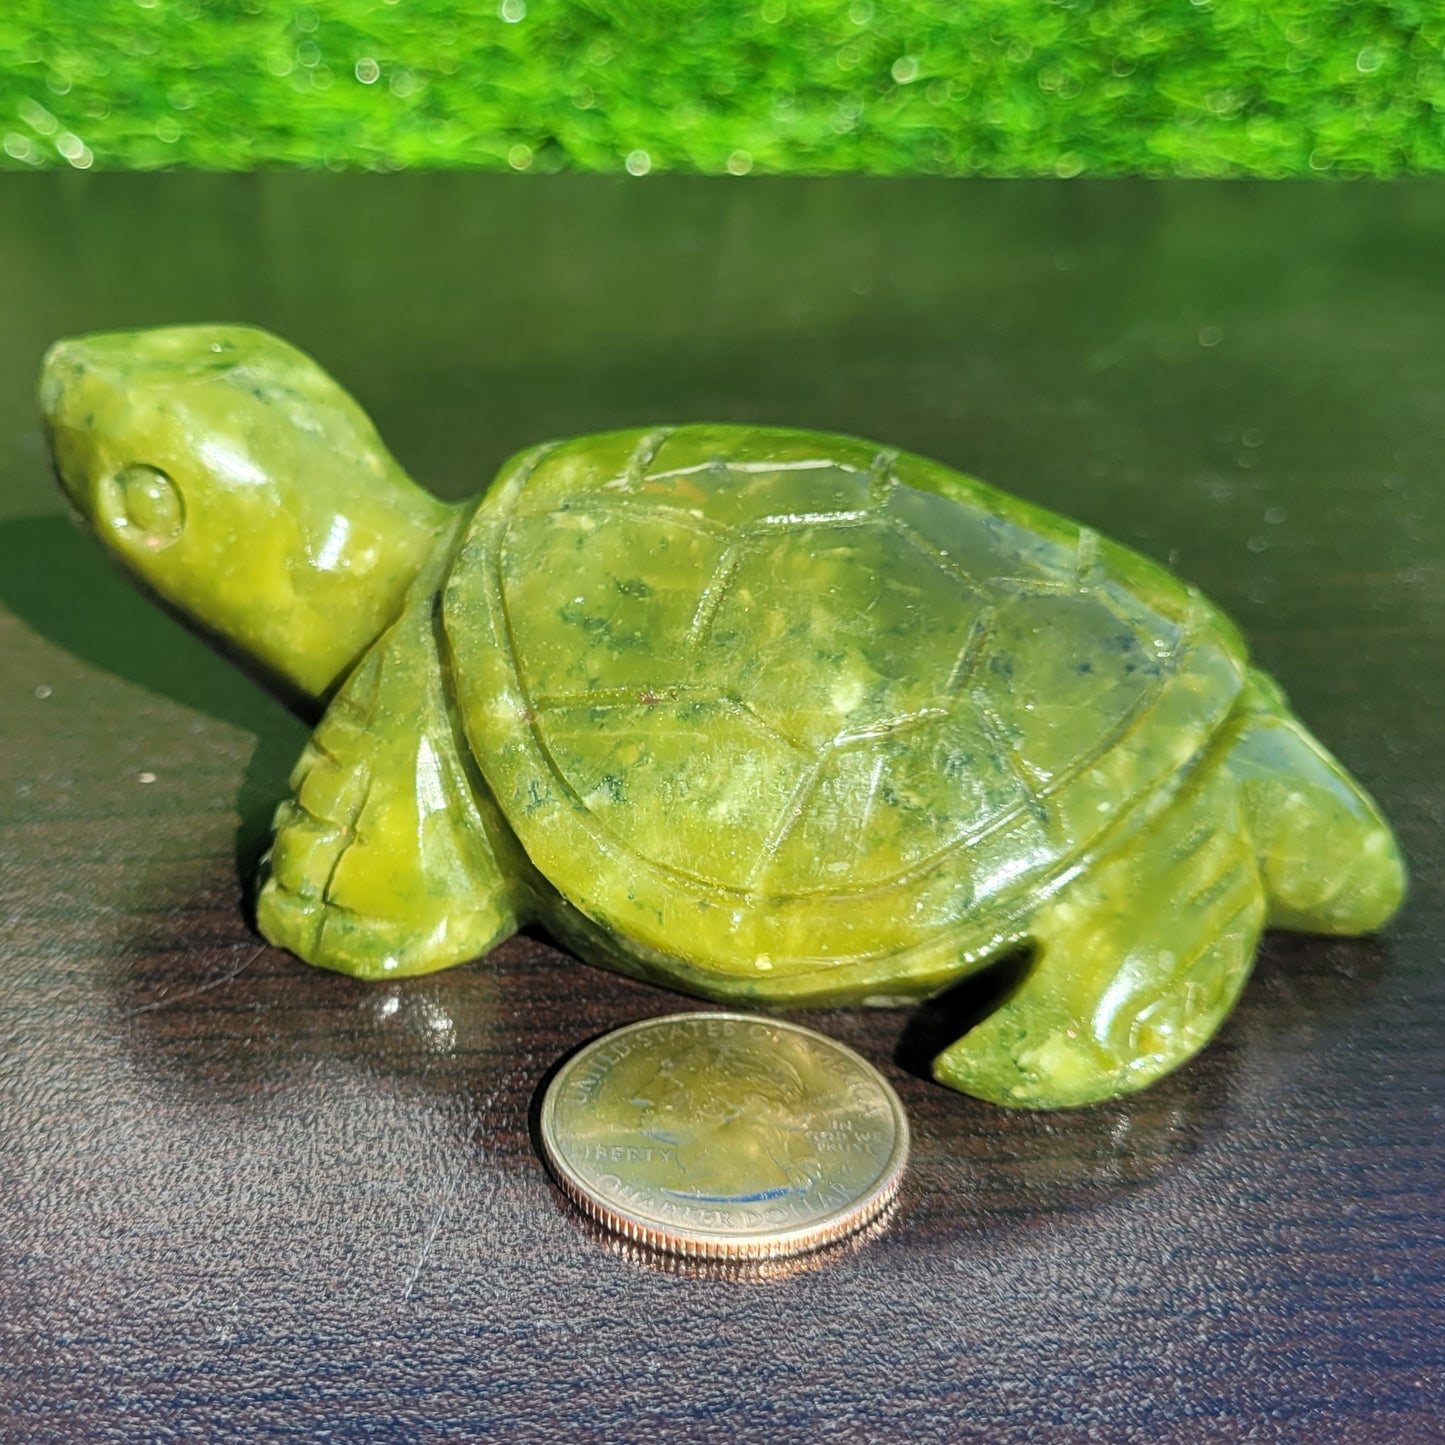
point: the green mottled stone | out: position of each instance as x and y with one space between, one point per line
770 716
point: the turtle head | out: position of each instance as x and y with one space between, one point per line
240 483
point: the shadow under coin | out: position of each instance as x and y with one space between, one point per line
726 1271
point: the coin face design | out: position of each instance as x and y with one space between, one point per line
724 1135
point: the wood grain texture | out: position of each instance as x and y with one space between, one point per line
239 1196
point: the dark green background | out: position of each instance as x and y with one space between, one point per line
240 1195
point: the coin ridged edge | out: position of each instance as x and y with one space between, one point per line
711 1245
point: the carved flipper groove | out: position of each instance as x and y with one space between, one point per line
1138 961
388 858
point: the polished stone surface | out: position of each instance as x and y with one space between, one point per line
243 1195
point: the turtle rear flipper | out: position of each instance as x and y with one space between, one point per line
384 862
1143 955
1139 960
1330 862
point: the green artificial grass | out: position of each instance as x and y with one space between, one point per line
998 87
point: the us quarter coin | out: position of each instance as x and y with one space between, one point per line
724 1136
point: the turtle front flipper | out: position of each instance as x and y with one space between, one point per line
1139 959
389 858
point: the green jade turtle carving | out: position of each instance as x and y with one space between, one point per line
769 716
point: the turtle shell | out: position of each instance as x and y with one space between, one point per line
784 706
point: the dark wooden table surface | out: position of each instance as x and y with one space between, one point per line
240 1196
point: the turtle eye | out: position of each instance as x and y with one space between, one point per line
150 502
